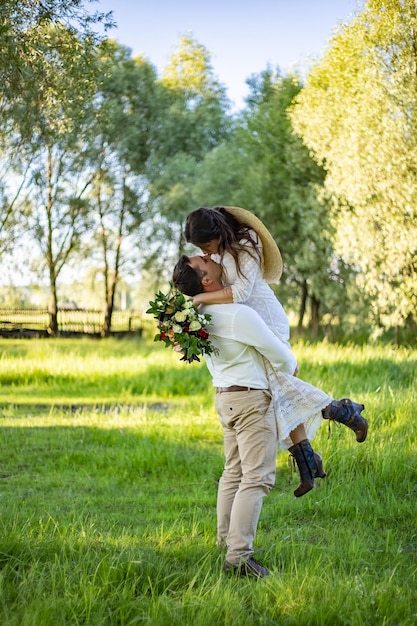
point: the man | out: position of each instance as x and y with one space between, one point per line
246 412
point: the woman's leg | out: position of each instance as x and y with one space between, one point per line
298 434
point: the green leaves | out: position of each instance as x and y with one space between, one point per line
358 114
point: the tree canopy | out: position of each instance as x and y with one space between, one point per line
358 114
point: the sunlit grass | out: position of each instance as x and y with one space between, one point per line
90 371
108 512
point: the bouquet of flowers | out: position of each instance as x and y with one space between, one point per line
181 325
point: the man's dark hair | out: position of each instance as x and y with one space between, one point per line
187 279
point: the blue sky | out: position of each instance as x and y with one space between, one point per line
242 36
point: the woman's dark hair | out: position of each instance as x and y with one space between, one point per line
205 224
187 279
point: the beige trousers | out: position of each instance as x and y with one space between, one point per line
250 445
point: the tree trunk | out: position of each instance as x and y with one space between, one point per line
109 309
53 300
181 241
53 310
105 331
303 305
315 316
111 283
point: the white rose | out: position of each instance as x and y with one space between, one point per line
177 328
180 316
195 325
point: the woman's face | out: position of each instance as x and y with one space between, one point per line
211 247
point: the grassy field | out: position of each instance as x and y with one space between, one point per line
109 455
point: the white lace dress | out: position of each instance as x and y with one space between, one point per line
296 401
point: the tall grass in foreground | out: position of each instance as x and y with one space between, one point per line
108 509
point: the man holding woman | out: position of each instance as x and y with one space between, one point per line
243 343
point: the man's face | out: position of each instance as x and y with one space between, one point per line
206 267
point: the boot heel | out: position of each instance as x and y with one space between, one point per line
320 469
303 488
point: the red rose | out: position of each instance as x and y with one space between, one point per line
162 336
203 334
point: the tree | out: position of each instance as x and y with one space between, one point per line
55 178
358 114
119 146
22 43
286 188
196 101
46 49
192 121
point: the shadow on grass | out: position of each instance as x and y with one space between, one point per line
156 380
112 475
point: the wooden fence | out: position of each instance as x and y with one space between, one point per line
71 322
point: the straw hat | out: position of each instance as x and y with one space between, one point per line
272 261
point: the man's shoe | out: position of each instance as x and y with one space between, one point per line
247 568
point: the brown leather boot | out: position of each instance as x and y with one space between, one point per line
309 465
347 412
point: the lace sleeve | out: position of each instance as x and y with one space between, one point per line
245 280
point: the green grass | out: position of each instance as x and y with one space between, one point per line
109 456
65 371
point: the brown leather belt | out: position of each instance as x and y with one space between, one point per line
236 388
